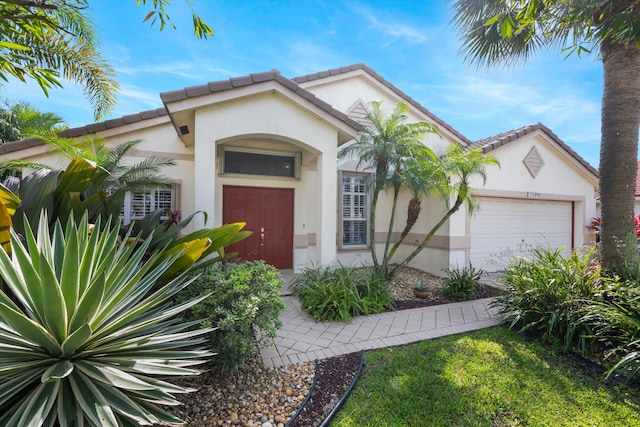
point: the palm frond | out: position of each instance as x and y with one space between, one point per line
146 174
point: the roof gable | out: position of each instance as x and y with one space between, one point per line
493 142
361 67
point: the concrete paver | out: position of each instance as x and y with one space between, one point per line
303 339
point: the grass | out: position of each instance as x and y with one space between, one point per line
493 377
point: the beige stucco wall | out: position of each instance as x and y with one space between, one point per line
560 178
272 121
344 91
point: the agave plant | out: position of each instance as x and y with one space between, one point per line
86 339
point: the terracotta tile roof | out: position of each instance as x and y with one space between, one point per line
378 77
188 92
274 75
85 130
493 142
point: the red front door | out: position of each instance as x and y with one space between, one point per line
268 212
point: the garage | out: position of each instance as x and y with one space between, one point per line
502 228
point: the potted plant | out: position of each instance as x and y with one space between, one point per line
420 290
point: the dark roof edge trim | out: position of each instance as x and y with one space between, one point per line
86 130
362 66
491 143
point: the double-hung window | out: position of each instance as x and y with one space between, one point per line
355 209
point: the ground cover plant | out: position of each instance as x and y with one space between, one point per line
462 282
548 295
341 292
243 305
615 319
492 377
571 302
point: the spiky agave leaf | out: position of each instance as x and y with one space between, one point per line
89 339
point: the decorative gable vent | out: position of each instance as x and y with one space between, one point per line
533 161
359 112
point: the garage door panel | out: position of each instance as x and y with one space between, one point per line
503 228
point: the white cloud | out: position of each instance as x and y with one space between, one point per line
183 70
391 31
138 96
306 57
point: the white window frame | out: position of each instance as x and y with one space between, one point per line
357 213
151 203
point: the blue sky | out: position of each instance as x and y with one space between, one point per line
410 43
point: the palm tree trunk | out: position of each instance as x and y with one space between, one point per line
414 204
619 153
372 228
386 257
428 237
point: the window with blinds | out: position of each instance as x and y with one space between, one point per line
138 205
355 210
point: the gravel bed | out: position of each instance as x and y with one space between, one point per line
258 396
405 279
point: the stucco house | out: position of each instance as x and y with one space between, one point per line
263 149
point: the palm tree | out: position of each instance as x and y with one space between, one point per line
504 32
423 177
385 146
138 177
19 119
48 40
460 165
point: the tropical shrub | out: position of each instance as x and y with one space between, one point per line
338 293
74 192
548 294
462 282
244 304
84 337
615 319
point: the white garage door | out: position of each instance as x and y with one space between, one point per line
502 228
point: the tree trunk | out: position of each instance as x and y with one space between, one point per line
385 257
372 228
413 212
429 235
619 153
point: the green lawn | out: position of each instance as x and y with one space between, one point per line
491 377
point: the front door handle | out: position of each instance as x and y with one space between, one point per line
261 236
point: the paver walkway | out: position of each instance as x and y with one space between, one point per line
301 339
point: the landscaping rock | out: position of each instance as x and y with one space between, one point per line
255 396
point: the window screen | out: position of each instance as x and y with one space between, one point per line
259 164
